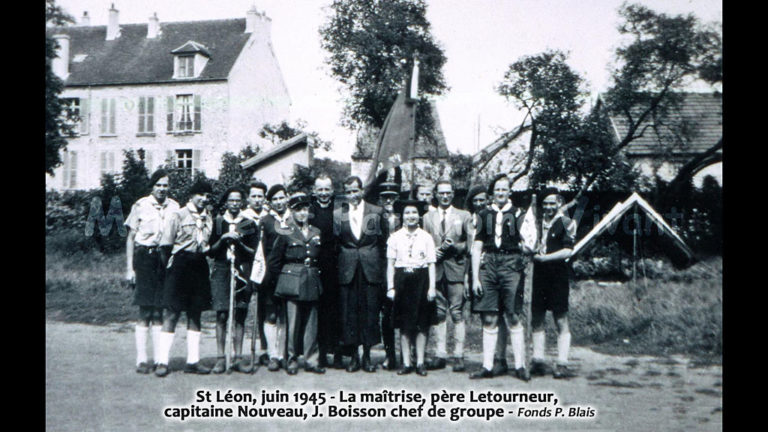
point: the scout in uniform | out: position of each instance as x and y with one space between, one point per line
550 285
496 276
294 257
448 227
234 237
145 269
388 194
411 283
187 287
273 317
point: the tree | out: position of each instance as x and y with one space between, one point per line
372 44
57 122
662 55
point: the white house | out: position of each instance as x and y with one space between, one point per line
279 163
184 91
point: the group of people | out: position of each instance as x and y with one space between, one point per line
334 277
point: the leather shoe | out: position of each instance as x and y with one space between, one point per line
500 367
264 359
354 365
458 365
482 373
436 363
162 370
563 372
421 370
220 366
274 365
143 368
293 367
405 370
338 362
523 374
368 366
315 369
539 368
243 367
197 368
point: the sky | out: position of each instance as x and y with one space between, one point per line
481 38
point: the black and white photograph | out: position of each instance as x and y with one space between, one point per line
383 214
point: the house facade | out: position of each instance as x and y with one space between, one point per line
277 165
185 92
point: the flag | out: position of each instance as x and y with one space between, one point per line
528 231
259 265
394 145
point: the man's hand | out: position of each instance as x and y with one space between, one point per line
439 254
431 294
391 293
130 278
477 288
447 244
540 258
467 292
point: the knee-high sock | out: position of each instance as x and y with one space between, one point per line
489 346
164 347
193 346
282 335
539 343
441 342
141 343
270 334
459 332
563 346
518 345
156 329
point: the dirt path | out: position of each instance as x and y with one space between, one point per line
91 386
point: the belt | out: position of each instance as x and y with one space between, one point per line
503 252
410 269
149 249
307 262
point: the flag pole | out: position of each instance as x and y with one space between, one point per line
413 95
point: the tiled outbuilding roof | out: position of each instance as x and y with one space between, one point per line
703 112
132 58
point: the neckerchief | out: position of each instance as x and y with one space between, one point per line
282 219
499 220
200 221
161 211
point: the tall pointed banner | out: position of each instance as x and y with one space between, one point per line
394 145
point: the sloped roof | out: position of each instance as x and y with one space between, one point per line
366 142
192 47
132 58
281 148
704 113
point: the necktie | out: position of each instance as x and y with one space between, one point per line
354 224
442 222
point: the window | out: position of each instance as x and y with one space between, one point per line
185 66
76 114
107 159
69 177
146 115
184 114
108 116
186 160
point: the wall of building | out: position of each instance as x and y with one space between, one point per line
257 92
280 169
211 142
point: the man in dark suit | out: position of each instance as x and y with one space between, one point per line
360 236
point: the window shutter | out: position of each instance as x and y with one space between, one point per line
103 164
169 158
148 162
141 114
195 160
112 116
169 114
65 174
198 109
111 162
150 114
104 119
73 169
84 116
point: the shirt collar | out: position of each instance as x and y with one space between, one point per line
506 207
233 220
192 209
156 203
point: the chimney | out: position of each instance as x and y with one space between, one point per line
153 27
251 18
113 29
60 64
85 20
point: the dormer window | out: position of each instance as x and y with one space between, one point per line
186 66
189 60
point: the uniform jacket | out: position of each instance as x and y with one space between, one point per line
458 224
369 251
293 262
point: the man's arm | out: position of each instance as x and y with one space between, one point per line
130 274
477 249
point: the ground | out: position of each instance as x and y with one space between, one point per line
91 386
